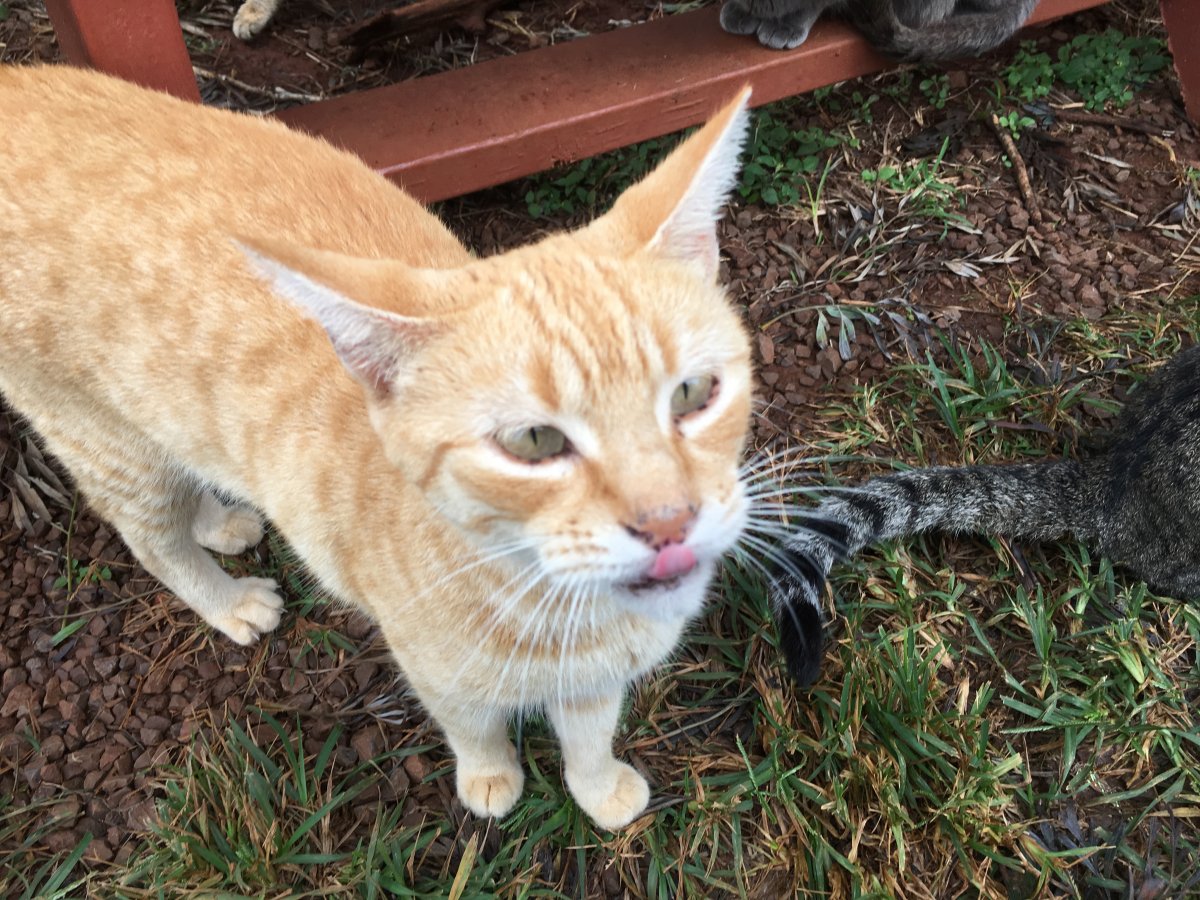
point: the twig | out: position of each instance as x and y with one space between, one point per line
276 93
1019 170
1079 117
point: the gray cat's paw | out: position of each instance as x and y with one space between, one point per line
786 32
736 19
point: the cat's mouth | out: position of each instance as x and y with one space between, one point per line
650 585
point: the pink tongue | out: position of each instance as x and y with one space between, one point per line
672 560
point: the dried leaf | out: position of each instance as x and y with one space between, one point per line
962 268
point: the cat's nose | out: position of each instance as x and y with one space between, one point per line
665 526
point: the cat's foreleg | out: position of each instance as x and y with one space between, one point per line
156 508
488 777
611 792
157 530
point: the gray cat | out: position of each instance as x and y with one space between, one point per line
904 29
1136 499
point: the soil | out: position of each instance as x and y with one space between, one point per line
108 677
306 51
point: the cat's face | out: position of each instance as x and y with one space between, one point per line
579 405
590 412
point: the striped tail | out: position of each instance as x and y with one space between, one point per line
1037 501
958 35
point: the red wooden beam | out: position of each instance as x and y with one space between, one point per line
452 133
1182 18
138 40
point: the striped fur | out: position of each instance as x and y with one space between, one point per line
197 305
1136 500
904 29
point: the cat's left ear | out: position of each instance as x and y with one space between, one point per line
674 210
372 343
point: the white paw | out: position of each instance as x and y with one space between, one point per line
613 797
490 793
252 17
226 529
253 610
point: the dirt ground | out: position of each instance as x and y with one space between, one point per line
105 677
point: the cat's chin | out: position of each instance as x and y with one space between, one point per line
668 599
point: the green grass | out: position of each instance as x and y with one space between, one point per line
979 729
974 731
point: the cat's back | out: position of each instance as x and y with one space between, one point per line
83 151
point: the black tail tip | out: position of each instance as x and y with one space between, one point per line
802 642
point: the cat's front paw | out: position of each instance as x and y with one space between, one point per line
786 32
251 18
736 19
783 32
254 609
612 797
490 793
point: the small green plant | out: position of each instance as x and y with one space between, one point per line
1101 68
590 184
779 160
920 186
844 316
936 89
80 573
1107 68
321 638
863 103
1015 122
4 11
1030 74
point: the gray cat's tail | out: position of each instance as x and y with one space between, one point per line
958 35
1037 501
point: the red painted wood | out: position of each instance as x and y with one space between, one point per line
138 40
452 133
1182 18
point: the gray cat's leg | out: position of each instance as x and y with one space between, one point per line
154 505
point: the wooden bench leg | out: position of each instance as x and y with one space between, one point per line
138 40
1182 18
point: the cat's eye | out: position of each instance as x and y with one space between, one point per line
534 444
692 395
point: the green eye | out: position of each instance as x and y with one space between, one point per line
533 444
692 395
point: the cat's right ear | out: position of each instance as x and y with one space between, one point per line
372 343
673 211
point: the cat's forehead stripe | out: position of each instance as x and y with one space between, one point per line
599 328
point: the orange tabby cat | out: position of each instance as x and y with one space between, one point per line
525 468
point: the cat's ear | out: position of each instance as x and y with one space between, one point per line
372 343
674 210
